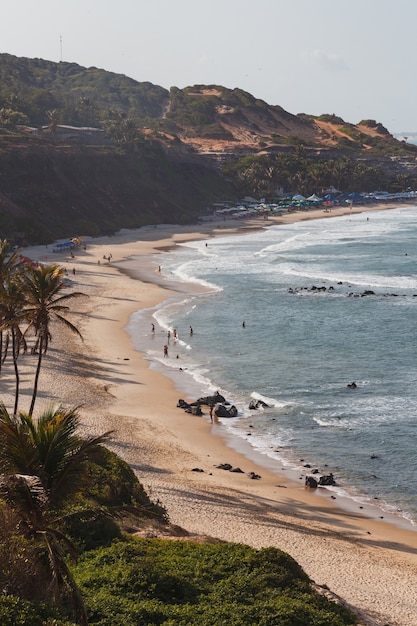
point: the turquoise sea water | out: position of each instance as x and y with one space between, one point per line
300 346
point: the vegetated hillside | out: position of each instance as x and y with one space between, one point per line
160 156
204 117
34 86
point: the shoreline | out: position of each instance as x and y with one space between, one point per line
121 391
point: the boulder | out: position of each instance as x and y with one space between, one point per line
211 400
327 480
225 466
255 404
311 482
182 404
224 411
196 410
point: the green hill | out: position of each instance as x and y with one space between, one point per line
86 151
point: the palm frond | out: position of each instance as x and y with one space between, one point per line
17 451
69 325
62 581
27 496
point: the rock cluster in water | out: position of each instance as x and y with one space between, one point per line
351 294
220 406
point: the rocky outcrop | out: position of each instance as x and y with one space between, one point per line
323 481
223 411
217 403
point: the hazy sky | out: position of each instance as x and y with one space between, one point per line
354 58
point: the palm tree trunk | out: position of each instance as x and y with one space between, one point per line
38 370
16 371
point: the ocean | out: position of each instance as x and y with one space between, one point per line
325 303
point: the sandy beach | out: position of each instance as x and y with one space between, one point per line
369 562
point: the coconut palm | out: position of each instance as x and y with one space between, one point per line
43 463
29 501
10 266
12 315
53 117
48 448
42 286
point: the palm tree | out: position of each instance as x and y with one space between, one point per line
53 117
43 464
12 314
27 497
48 448
10 265
42 286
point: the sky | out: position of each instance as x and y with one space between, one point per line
354 58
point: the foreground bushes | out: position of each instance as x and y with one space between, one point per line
168 583
150 582
125 581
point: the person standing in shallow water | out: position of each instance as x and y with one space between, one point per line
165 350
191 331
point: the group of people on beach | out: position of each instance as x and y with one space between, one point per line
174 334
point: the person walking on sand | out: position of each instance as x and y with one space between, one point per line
165 350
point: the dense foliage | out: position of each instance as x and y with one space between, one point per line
82 95
168 583
110 501
263 175
171 582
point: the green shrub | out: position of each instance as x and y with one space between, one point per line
333 119
17 612
173 583
112 489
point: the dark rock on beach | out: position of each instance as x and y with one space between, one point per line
223 411
327 480
223 408
256 404
323 481
212 400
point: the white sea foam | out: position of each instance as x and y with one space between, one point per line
300 353
271 402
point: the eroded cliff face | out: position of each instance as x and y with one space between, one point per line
47 192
